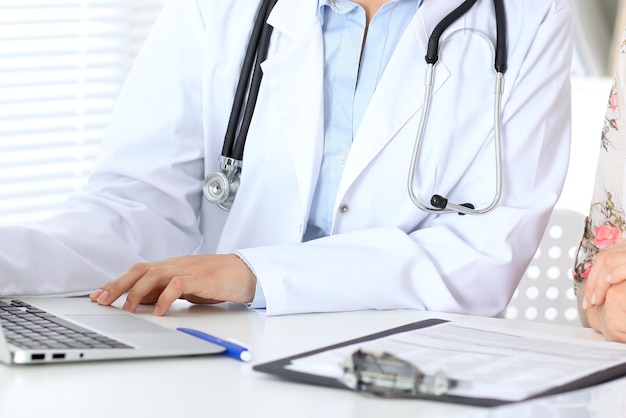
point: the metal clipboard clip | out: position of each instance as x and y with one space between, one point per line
385 375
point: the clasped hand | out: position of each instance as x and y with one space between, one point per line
197 278
604 296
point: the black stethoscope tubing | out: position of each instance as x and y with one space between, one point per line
237 131
432 53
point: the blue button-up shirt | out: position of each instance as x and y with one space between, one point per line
352 68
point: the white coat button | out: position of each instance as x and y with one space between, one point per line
344 208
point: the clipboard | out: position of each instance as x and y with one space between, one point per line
281 368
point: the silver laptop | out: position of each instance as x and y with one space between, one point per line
55 330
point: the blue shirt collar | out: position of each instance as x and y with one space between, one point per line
341 6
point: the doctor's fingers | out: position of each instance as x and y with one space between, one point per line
148 287
609 268
192 288
111 291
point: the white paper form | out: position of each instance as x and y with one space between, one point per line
490 362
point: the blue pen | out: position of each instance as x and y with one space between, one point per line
233 350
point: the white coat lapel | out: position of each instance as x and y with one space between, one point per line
400 91
295 77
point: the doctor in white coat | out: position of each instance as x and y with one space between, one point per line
145 207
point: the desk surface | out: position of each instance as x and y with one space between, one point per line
222 387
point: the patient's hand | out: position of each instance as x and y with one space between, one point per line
198 278
604 293
609 268
609 318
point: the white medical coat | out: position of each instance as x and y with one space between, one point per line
145 201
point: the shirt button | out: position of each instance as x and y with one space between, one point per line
344 208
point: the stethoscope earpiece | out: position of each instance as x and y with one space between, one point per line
438 201
441 203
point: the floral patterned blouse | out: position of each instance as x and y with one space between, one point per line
606 223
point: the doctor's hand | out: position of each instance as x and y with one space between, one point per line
609 268
198 279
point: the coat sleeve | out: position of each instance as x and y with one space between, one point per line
144 193
450 263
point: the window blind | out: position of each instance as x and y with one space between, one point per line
62 64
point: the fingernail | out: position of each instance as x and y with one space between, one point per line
157 311
104 296
95 294
593 298
584 302
608 278
126 306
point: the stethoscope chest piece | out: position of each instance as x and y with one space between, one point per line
220 187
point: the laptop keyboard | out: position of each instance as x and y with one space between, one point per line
28 327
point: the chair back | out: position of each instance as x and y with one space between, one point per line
546 292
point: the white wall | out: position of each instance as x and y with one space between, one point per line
598 26
589 100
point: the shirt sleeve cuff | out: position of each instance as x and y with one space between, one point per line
258 302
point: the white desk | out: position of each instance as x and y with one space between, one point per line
221 387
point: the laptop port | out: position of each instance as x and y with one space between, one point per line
37 356
58 356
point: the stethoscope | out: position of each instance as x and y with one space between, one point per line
221 187
439 203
